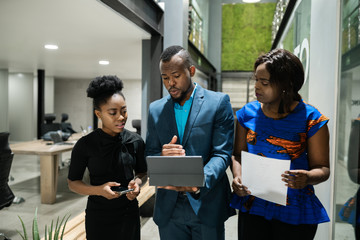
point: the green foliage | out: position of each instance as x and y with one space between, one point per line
24 229
246 33
35 229
49 234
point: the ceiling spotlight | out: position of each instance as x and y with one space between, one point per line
251 1
51 46
104 62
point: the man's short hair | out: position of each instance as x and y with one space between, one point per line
171 51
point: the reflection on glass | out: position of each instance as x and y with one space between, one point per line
347 194
350 26
195 27
296 39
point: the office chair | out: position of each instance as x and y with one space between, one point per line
49 124
66 126
6 157
136 123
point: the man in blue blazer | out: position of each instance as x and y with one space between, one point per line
191 121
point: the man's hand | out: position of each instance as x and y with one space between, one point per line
172 149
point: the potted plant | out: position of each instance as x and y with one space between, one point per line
51 233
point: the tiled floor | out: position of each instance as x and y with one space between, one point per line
25 171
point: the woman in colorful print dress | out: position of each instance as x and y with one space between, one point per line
281 125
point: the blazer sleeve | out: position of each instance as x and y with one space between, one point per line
222 145
141 165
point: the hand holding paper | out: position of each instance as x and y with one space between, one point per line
239 188
263 177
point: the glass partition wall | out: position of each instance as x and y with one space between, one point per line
346 222
295 38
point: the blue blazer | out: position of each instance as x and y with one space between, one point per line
209 133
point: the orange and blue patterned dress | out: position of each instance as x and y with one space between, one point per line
284 138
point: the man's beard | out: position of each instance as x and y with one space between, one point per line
179 99
182 95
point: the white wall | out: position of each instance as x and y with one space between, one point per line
4 101
132 93
70 98
323 75
22 117
49 94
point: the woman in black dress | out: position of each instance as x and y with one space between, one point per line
115 159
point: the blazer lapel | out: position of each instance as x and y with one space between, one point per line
171 121
195 109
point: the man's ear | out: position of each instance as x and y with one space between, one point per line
192 70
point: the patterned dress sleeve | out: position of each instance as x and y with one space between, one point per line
240 116
315 120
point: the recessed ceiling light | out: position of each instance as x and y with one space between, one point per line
104 62
51 46
251 1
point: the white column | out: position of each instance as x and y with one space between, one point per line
323 90
22 117
215 38
176 23
49 96
4 100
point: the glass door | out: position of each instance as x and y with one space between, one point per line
346 218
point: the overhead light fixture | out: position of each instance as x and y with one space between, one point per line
51 46
104 62
251 1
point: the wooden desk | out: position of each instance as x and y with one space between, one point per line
49 161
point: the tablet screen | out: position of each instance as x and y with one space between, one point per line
185 171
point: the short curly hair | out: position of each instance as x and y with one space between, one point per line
171 51
103 87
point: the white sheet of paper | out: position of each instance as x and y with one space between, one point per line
262 176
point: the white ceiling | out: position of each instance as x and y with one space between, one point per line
85 30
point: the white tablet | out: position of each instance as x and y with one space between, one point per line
185 171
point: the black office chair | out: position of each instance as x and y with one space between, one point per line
49 124
66 126
136 123
6 157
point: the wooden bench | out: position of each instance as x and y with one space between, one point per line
75 227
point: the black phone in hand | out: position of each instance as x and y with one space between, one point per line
121 190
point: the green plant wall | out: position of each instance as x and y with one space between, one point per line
246 33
